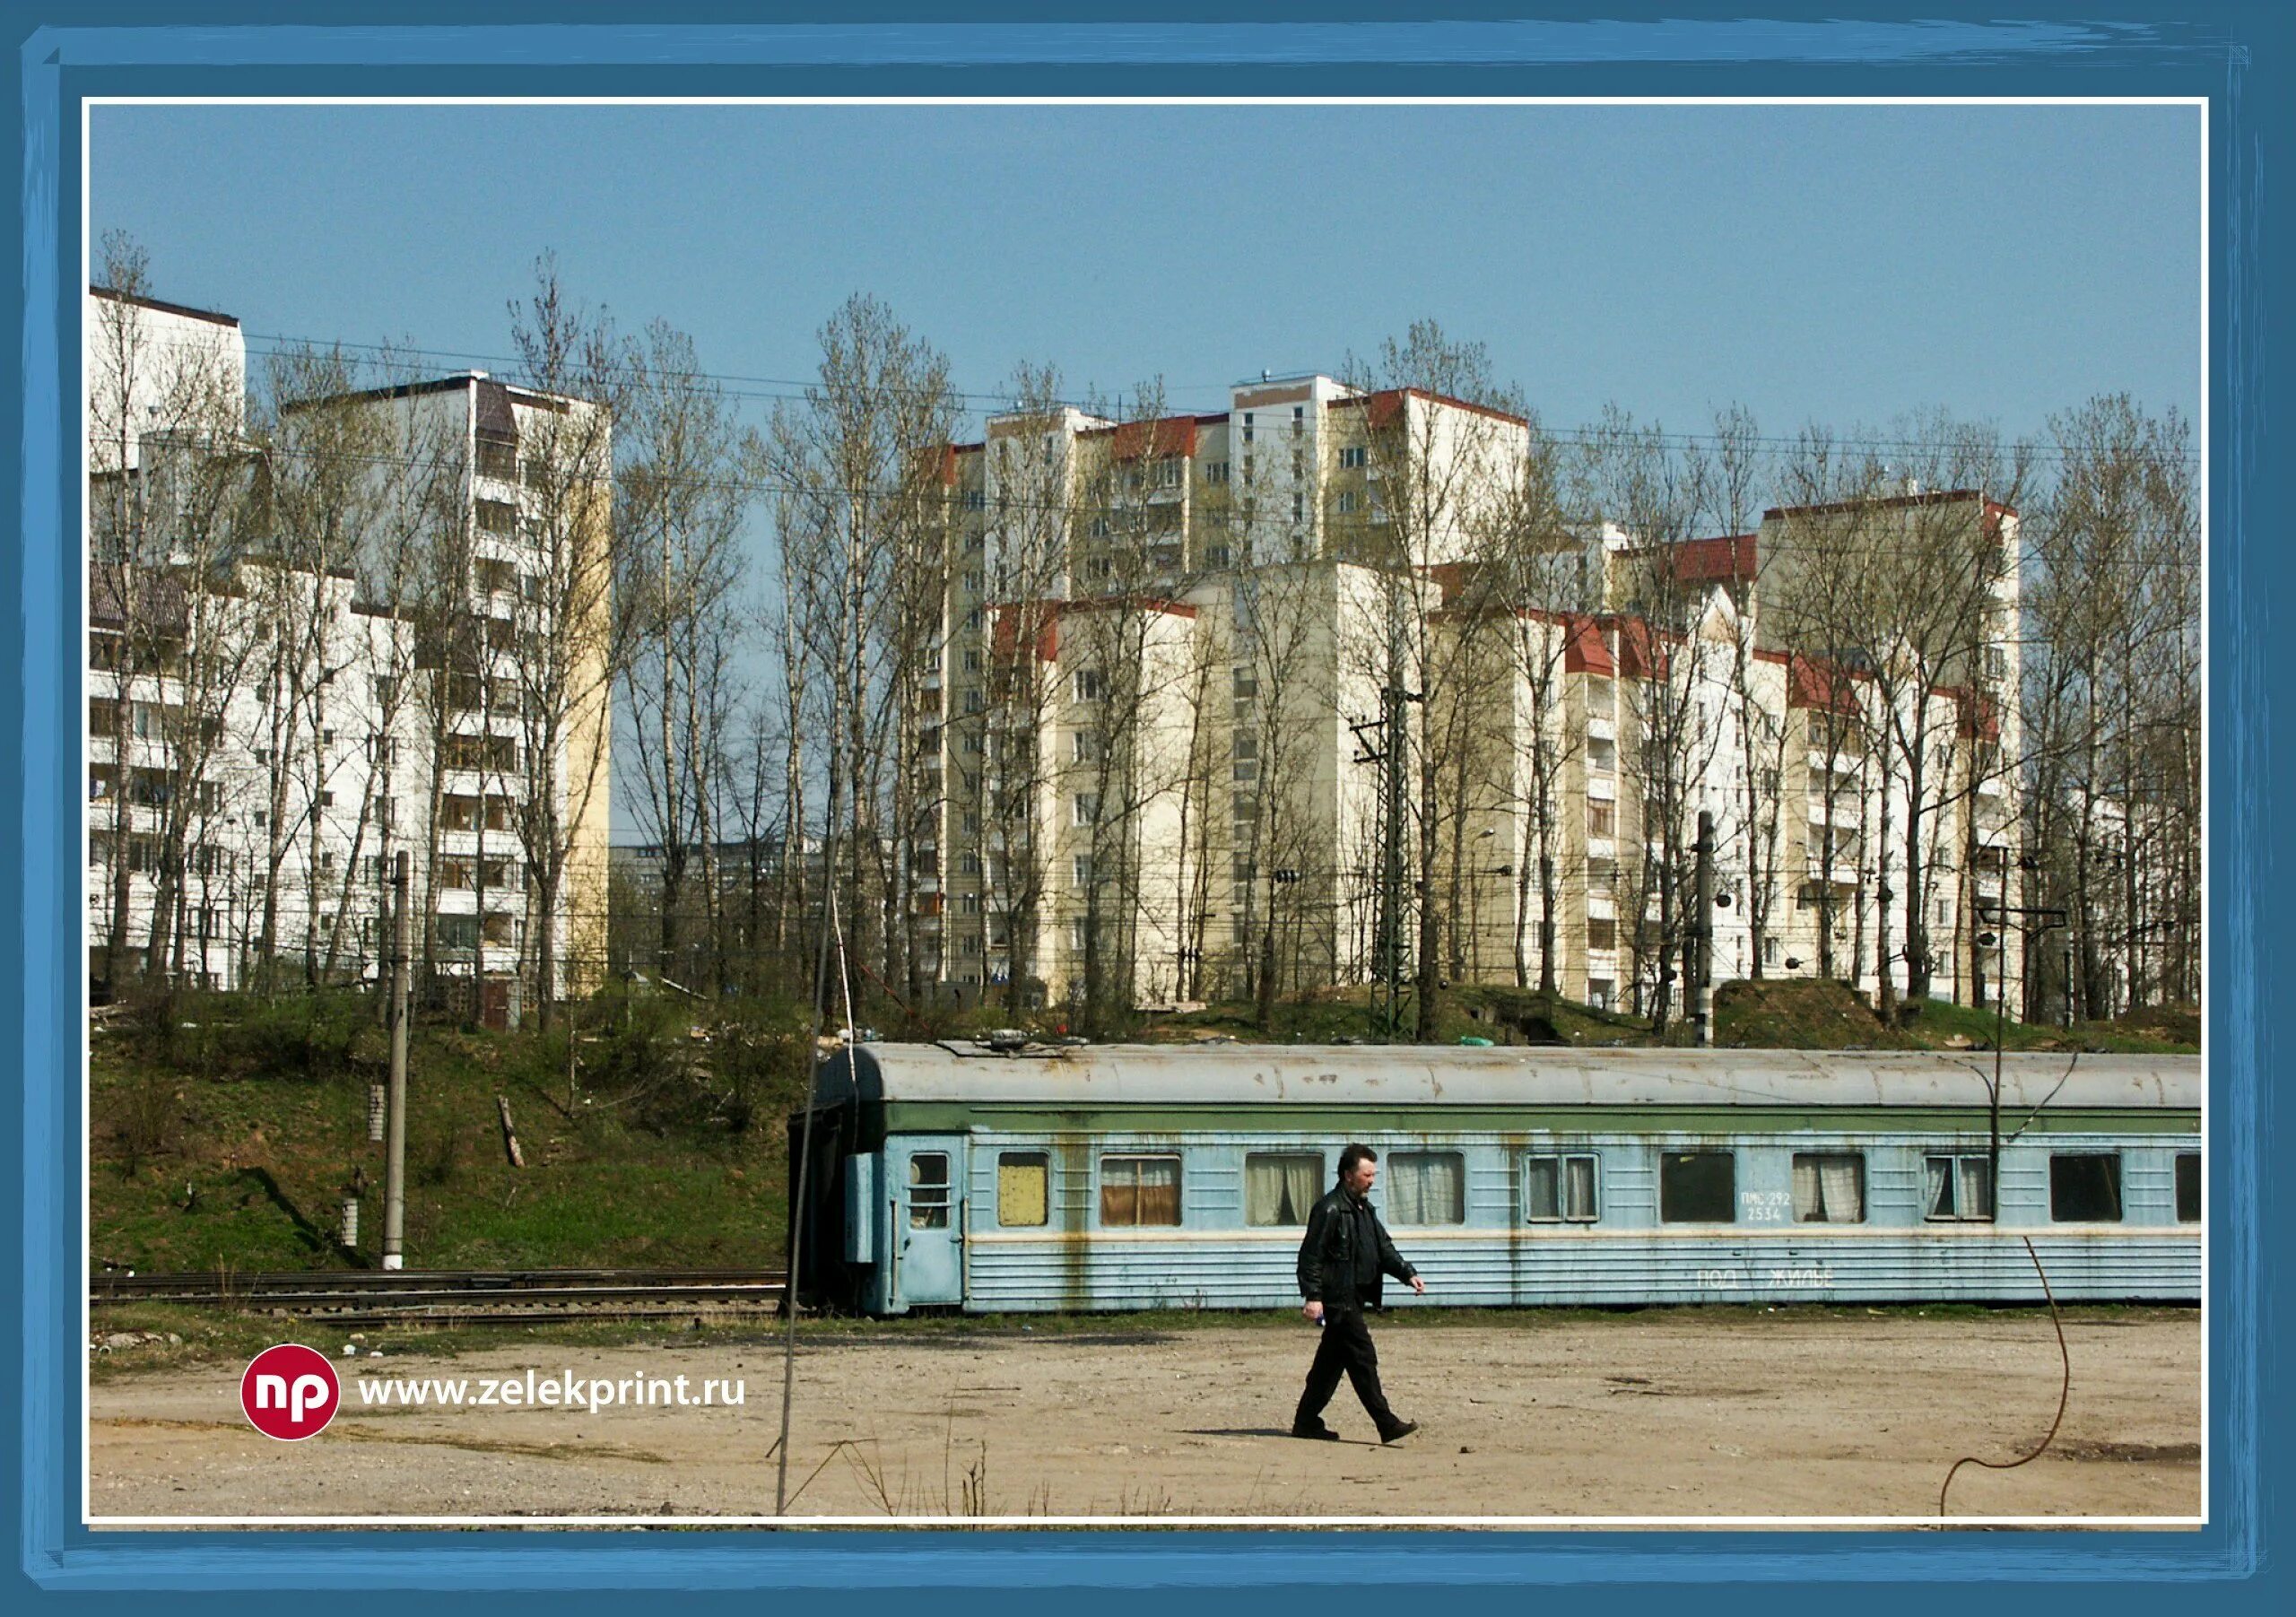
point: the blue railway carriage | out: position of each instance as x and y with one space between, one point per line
954 1177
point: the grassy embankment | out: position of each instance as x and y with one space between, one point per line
225 1139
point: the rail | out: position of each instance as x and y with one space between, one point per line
460 1295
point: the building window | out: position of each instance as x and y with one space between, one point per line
1088 686
1347 502
1023 1189
1086 810
1083 870
1280 1186
1559 1188
1961 1188
1215 555
2084 1187
1139 1191
1246 750
1599 992
2188 1187
1601 933
1085 746
1829 1188
1298 508
928 1190
972 659
1602 818
1427 1188
1698 1187
1773 952
1215 470
498 517
1354 458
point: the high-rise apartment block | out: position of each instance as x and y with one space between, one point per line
1198 666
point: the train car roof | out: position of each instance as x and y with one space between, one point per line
1233 1075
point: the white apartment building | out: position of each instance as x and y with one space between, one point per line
1269 545
267 734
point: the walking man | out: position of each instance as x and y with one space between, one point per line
1342 1262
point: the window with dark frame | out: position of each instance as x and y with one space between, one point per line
1960 1189
1139 1191
2084 1187
1698 1187
1559 1187
928 1190
2188 1188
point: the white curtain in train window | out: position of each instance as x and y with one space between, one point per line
1578 1187
1280 1187
1829 1188
1427 1188
1941 1187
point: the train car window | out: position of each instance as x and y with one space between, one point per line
2084 1187
2188 1188
1559 1188
928 1190
1280 1186
1829 1188
1698 1187
1023 1189
1961 1188
1427 1188
1139 1191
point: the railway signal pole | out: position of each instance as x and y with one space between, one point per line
1701 934
395 1122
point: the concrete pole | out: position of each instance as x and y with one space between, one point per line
1702 930
395 1127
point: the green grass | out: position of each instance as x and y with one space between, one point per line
249 1171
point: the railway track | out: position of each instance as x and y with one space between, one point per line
461 1297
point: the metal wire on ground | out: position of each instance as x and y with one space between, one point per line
2064 1396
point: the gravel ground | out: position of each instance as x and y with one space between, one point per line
1669 1414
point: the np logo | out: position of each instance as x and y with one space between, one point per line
289 1392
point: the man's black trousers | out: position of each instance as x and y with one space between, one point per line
1346 1350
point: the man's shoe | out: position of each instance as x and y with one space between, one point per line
1301 1429
1400 1432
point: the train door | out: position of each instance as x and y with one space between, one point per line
926 1175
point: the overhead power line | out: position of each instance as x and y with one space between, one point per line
794 390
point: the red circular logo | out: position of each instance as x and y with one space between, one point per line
289 1392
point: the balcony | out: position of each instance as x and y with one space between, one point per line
1601 728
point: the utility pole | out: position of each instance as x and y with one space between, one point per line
395 1127
1702 933
1389 751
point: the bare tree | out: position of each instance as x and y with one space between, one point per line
860 462
1438 430
2112 702
568 638
1661 496
682 497
188 399
1548 586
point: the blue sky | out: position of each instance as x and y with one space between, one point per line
1829 264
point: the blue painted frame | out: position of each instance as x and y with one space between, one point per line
1687 47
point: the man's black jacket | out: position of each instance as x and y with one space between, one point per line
1344 1254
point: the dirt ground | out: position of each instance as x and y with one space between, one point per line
1670 1414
